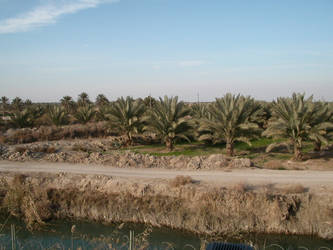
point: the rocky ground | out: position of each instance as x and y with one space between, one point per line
103 151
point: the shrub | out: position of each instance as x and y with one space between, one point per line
181 180
37 149
294 189
49 133
242 187
80 147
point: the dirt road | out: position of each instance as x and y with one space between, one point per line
249 176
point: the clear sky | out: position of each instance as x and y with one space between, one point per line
263 48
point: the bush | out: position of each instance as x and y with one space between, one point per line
50 133
294 189
37 149
181 180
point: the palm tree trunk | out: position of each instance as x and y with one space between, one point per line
297 152
317 146
129 139
169 144
230 148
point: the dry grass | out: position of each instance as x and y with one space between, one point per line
198 208
242 187
80 148
51 133
36 149
25 201
293 189
181 180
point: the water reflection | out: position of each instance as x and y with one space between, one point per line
63 235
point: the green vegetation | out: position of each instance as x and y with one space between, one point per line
230 121
84 113
234 124
125 117
169 120
21 119
57 115
298 119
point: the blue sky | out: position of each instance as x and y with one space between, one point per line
263 48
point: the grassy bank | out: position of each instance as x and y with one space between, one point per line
180 203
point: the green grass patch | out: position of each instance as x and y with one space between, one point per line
197 148
260 143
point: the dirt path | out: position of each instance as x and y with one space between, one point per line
249 176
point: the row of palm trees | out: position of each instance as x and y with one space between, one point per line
229 119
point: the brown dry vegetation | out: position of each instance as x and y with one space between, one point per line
194 207
181 181
38 149
294 189
52 133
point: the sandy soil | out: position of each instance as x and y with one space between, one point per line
310 179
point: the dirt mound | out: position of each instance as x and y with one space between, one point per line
98 152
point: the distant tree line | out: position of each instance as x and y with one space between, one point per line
228 119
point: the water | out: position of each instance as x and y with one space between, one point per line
58 235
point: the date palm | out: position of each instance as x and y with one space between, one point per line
4 105
199 111
231 121
149 101
57 115
21 119
17 104
102 112
125 117
101 100
170 120
4 102
68 103
84 114
83 99
321 128
291 119
27 103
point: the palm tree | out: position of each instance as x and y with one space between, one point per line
4 102
101 100
36 111
27 103
321 128
292 119
4 105
22 119
102 112
57 115
199 111
83 99
17 104
149 101
84 114
170 120
231 121
68 103
263 115
125 116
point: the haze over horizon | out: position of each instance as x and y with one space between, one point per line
262 48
